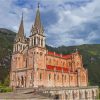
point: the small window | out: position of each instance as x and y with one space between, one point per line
40 53
23 47
58 77
31 75
42 42
70 64
71 78
57 62
49 76
34 40
50 61
19 39
40 76
65 77
62 76
63 63
54 76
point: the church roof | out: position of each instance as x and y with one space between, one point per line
68 56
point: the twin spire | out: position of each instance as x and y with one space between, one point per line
36 29
20 35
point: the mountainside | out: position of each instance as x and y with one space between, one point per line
91 56
91 59
6 44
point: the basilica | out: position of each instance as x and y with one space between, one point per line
33 65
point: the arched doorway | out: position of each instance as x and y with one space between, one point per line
93 96
66 97
22 81
25 81
56 97
80 94
18 82
86 95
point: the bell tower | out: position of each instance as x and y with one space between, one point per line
37 49
37 38
18 60
20 40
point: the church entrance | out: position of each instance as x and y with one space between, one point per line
56 97
22 81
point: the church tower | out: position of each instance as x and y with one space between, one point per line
20 40
37 37
37 49
18 60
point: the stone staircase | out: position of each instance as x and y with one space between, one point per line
25 90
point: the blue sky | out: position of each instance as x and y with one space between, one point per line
66 22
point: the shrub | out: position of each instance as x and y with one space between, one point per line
4 89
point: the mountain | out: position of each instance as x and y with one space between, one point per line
6 44
90 52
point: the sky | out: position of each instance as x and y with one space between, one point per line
66 22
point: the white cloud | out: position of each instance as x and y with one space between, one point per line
69 18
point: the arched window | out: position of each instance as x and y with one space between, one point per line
17 47
62 78
31 76
38 41
65 77
40 76
20 47
57 62
41 53
41 42
19 39
63 63
69 64
23 47
34 40
58 77
49 60
49 76
54 76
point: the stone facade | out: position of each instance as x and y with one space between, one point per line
32 65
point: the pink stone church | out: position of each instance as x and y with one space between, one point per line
32 65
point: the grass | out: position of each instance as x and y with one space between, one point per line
4 89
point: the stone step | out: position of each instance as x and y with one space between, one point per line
23 96
24 90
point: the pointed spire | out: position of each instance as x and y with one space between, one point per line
38 28
20 35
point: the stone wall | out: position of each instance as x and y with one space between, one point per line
75 93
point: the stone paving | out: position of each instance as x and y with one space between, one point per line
19 96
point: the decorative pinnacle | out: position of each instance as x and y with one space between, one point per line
76 50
